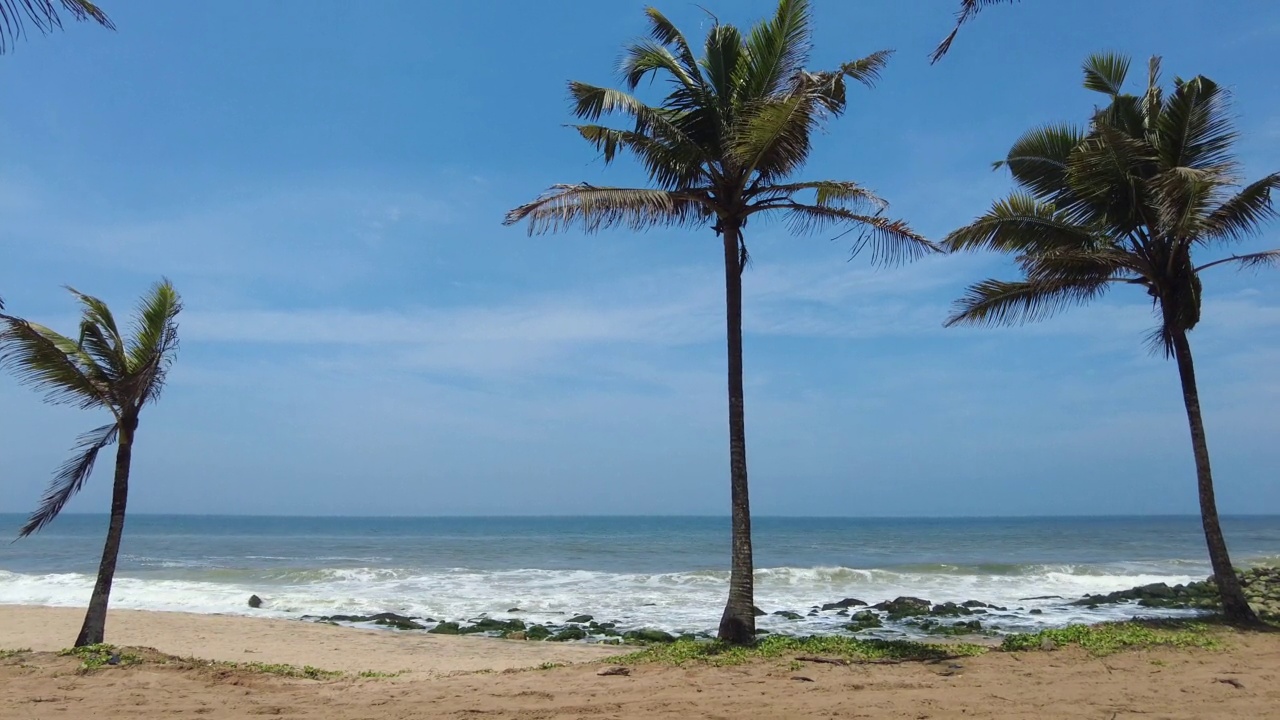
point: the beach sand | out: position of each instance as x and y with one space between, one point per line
1240 681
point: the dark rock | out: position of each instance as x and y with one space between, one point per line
789 615
1036 611
515 610
950 609
569 633
979 611
445 628
904 607
491 625
757 611
400 623
812 613
581 619
974 604
255 602
864 620
537 632
649 635
845 603
1043 597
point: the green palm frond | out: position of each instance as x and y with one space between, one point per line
668 35
999 302
968 10
70 478
1039 159
44 17
777 49
1242 215
1021 224
826 193
100 337
48 361
596 208
1106 73
155 339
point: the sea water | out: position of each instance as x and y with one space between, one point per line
662 572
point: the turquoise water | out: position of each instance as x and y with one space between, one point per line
666 572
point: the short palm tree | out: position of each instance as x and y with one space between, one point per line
102 369
719 149
1127 201
43 15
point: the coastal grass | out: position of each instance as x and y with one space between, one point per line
6 654
1108 638
100 655
779 646
95 657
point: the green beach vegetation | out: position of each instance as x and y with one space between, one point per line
102 369
1126 201
720 148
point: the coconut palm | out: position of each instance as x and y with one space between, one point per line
102 369
1128 201
720 148
968 10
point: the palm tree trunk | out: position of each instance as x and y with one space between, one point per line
738 624
95 619
1234 606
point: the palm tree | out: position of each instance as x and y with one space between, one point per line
720 148
968 10
1126 201
43 14
102 369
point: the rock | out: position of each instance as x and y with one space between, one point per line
904 607
394 620
649 635
491 625
445 628
537 632
255 602
1043 597
569 633
517 635
1036 611
581 619
789 615
845 603
812 613
950 609
757 611
514 610
864 620
974 604
400 623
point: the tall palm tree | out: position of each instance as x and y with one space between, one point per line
102 369
968 10
43 14
720 148
1127 200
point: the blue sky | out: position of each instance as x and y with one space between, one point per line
324 182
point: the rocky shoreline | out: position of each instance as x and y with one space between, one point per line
902 616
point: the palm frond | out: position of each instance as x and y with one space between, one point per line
668 35
1039 159
1266 258
100 336
1153 99
999 302
70 477
892 242
721 63
596 208
968 9
827 193
1106 73
1243 214
154 341
777 49
646 57
46 360
671 166
773 138
1195 129
867 70
44 17
1021 224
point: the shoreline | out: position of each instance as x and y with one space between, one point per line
453 677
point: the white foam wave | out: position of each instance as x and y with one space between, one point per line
688 601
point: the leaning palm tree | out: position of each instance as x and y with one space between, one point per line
1127 201
102 369
719 149
43 15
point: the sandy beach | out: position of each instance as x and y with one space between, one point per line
461 677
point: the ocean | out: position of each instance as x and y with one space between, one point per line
669 573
